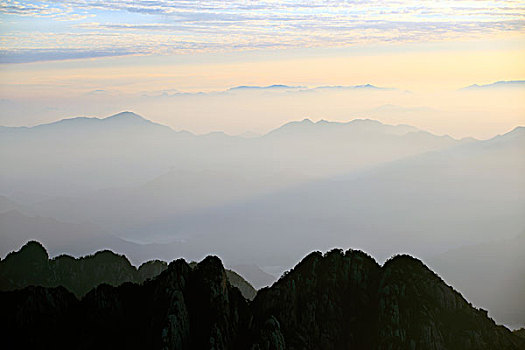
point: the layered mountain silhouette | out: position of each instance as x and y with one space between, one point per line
129 180
296 88
510 84
86 154
338 300
31 266
77 238
123 121
398 206
87 184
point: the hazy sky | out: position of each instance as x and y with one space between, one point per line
70 58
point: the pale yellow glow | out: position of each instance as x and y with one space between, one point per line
432 75
403 69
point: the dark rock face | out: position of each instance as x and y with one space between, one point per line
340 300
325 302
33 317
520 332
417 310
347 301
31 266
183 308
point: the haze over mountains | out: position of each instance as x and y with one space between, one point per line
143 189
490 273
260 106
511 84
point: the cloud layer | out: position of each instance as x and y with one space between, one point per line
149 27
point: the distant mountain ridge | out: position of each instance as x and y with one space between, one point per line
310 185
338 300
497 85
31 266
306 88
269 87
358 125
119 120
125 151
132 119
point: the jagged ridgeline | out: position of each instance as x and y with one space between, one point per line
31 266
340 300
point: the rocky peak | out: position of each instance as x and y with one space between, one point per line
337 300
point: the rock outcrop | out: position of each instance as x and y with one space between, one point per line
31 266
339 300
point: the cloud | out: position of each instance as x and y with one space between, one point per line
25 8
35 55
279 89
179 26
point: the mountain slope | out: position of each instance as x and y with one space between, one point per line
31 266
79 154
490 274
336 301
396 207
183 308
424 205
137 183
511 84
253 273
346 300
81 126
17 228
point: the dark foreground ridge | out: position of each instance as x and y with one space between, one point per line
31 266
340 300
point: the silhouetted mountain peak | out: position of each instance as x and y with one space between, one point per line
304 122
403 260
336 300
212 267
516 135
517 131
327 128
86 124
31 266
365 121
125 116
269 87
347 300
34 250
366 86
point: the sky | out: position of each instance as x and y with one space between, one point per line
174 61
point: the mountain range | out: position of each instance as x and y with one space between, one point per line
149 192
338 300
498 85
31 266
85 154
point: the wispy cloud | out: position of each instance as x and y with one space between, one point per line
26 8
36 55
191 25
275 89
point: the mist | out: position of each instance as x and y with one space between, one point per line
481 113
264 201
